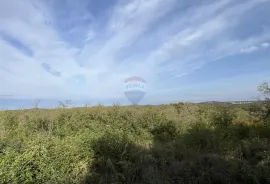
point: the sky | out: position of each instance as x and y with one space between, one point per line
83 50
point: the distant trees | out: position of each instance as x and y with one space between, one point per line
65 104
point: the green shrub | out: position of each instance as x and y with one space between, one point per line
165 132
176 143
10 121
28 167
117 159
222 117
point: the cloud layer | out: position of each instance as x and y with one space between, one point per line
83 50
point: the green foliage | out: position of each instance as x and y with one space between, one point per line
29 167
165 132
223 117
260 111
10 121
176 143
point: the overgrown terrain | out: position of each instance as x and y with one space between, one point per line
175 143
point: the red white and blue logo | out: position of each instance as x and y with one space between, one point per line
135 88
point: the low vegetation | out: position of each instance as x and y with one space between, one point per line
165 144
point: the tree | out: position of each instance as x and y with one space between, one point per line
65 104
264 90
261 110
36 103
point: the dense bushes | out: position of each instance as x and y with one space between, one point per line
176 143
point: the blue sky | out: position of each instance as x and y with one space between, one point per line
82 50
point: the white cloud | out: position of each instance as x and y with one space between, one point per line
265 45
176 48
249 49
